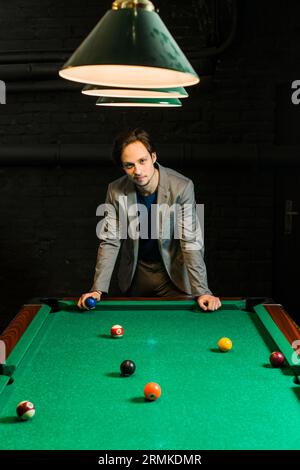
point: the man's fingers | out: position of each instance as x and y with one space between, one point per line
81 301
210 303
202 304
214 304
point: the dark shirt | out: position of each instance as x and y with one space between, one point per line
148 248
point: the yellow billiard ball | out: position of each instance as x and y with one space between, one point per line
225 344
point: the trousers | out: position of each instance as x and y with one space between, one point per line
152 280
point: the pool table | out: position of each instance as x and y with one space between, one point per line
65 361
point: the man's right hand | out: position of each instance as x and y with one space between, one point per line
81 304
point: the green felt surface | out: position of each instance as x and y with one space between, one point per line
69 369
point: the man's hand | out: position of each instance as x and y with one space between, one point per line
209 302
83 298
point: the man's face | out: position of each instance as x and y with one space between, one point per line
138 163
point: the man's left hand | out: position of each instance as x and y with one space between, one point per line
209 302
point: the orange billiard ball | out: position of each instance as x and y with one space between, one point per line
225 344
152 391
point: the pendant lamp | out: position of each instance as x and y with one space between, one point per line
141 102
130 47
96 90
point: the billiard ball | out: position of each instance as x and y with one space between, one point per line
225 344
277 359
127 368
90 303
25 410
117 331
152 391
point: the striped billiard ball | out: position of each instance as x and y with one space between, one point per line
117 331
25 410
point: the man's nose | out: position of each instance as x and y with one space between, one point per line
137 170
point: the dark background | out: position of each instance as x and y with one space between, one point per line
237 136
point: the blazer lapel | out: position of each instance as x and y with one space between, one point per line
163 198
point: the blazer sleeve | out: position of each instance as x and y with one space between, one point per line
192 242
109 246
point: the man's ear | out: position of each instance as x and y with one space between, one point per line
154 157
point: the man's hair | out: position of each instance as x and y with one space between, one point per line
128 137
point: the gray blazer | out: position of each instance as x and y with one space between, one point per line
182 257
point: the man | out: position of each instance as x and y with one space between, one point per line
161 265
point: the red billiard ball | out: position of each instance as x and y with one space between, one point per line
117 331
25 410
152 391
277 359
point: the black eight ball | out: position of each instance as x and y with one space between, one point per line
127 367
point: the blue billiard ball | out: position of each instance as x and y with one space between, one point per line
90 303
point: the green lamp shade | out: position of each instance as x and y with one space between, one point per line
130 48
144 102
95 90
